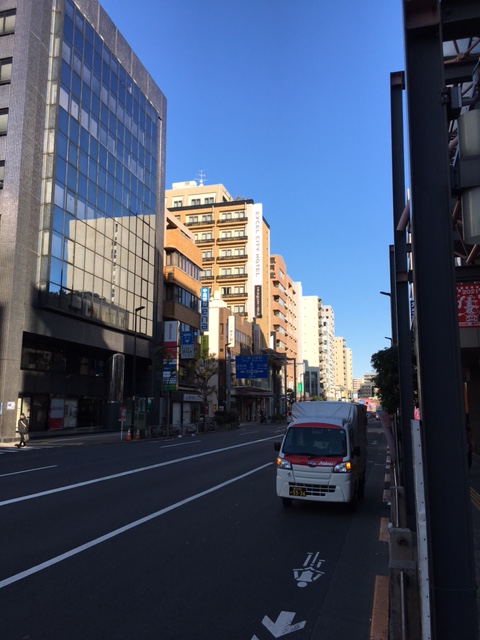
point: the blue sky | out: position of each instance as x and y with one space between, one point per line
288 102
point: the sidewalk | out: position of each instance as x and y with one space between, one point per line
474 480
97 436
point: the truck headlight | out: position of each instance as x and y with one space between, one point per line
282 463
342 467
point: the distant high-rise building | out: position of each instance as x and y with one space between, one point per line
82 145
343 370
327 362
311 344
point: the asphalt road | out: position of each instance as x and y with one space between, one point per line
183 539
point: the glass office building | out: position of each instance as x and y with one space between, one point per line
82 155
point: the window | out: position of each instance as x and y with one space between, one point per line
209 200
2 173
7 22
3 121
177 203
195 202
5 70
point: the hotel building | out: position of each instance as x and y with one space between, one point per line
234 239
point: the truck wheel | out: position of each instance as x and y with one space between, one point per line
287 502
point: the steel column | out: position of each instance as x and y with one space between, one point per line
450 539
400 295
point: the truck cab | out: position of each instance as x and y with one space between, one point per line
322 456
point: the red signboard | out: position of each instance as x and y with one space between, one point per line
468 305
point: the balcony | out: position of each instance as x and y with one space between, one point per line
205 241
240 256
229 296
233 276
200 223
232 239
227 221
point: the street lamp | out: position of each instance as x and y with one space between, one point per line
385 293
134 374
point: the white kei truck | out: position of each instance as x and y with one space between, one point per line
323 454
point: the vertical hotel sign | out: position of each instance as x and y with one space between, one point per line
204 295
468 305
256 261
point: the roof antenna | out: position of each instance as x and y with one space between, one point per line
201 177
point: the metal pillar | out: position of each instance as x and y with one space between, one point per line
228 381
134 373
450 538
400 298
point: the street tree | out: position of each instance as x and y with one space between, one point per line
385 363
201 371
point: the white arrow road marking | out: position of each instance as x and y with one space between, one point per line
282 626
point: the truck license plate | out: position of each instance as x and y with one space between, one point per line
298 492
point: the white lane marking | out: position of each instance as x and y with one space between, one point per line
178 444
127 527
14 473
24 449
68 487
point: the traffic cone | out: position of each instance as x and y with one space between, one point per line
129 435
137 434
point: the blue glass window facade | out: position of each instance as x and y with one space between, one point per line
102 226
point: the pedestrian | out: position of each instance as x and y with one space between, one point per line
22 428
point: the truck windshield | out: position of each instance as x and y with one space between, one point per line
315 442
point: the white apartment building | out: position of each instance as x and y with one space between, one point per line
343 370
310 336
327 351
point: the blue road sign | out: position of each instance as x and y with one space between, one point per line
251 367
